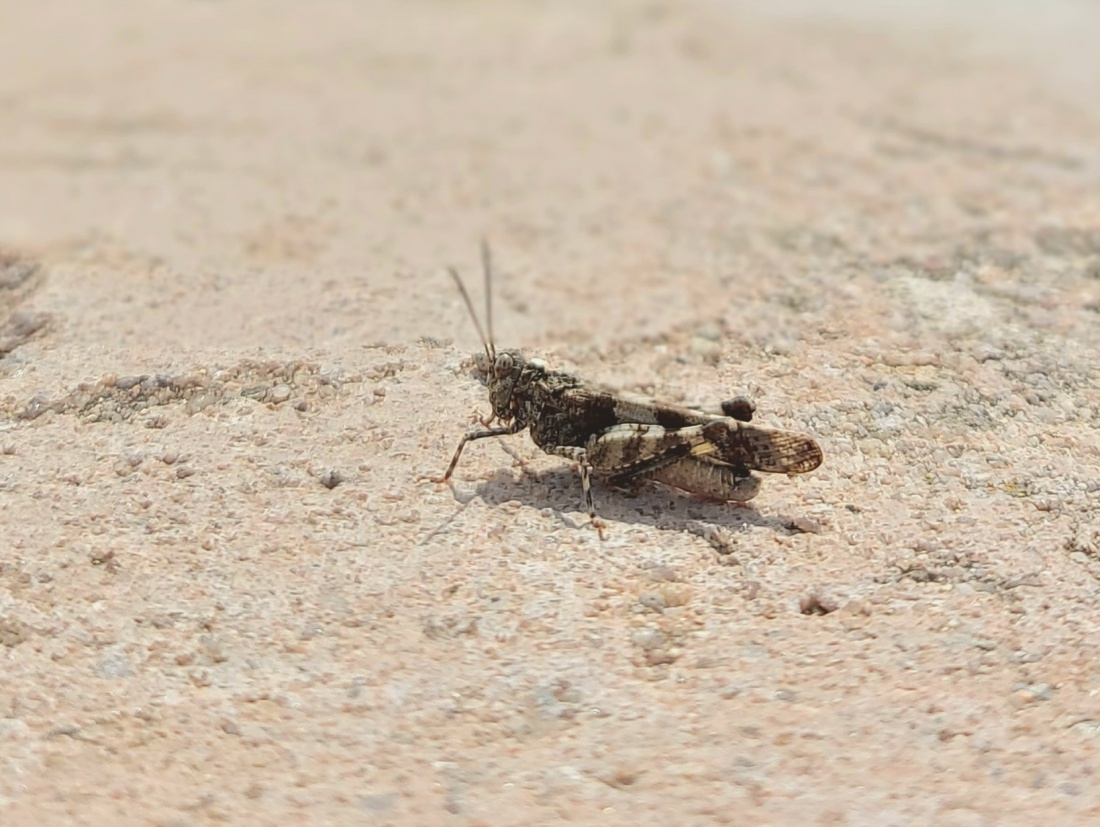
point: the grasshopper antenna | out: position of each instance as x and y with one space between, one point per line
487 266
470 308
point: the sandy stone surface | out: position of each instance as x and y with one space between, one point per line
230 352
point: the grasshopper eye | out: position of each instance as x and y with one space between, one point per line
504 364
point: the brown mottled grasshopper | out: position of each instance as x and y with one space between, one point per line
709 451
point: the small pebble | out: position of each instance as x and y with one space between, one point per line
115 663
805 524
331 479
817 604
708 351
1025 694
654 601
199 403
619 778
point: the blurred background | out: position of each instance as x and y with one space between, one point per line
239 174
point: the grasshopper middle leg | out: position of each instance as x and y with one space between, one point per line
580 456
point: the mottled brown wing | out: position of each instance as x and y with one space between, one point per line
760 449
718 438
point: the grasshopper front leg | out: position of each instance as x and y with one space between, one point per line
476 433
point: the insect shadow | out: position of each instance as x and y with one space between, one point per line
658 507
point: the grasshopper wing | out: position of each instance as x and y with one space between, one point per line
758 449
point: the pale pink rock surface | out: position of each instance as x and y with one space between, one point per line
226 595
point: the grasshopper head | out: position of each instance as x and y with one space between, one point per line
499 372
502 371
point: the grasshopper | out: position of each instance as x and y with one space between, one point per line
625 440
